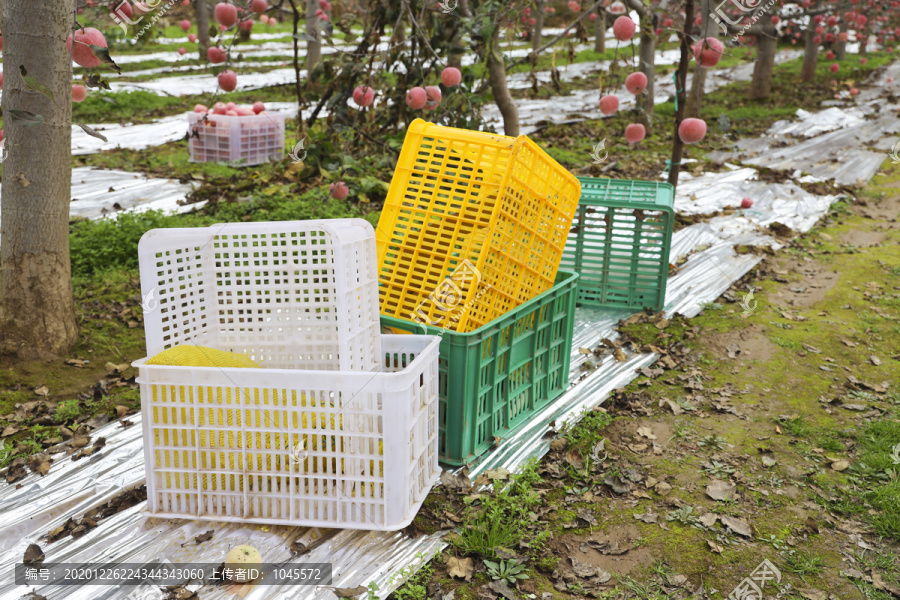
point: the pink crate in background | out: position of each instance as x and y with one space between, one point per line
236 140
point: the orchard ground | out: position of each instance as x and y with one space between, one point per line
771 437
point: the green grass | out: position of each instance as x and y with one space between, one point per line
803 563
107 244
501 520
879 475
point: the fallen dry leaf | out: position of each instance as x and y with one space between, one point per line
738 526
349 592
723 491
648 517
500 474
33 555
646 432
456 482
461 568
708 519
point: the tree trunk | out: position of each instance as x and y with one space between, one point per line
810 55
694 98
767 46
698 81
298 90
647 66
314 36
680 85
497 79
538 26
840 48
37 311
202 10
600 31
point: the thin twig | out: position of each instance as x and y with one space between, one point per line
560 36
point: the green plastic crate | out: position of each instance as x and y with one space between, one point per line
620 241
496 377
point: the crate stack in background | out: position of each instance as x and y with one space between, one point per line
469 245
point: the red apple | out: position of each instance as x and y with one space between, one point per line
228 80
624 28
81 52
433 93
258 107
79 93
692 130
416 98
339 190
636 83
635 133
185 25
123 9
451 76
609 104
226 14
259 6
746 203
363 95
708 52
216 55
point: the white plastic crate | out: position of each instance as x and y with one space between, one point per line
236 140
299 293
357 450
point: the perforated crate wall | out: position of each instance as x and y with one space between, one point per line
291 446
497 377
300 293
490 211
236 140
620 243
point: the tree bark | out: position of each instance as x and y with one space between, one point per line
314 36
647 66
538 26
298 90
202 10
600 31
840 48
698 82
810 55
497 79
767 46
680 85
37 311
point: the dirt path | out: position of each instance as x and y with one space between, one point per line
770 440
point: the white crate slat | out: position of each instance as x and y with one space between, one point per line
295 447
301 293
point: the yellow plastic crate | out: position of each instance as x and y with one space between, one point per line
474 225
